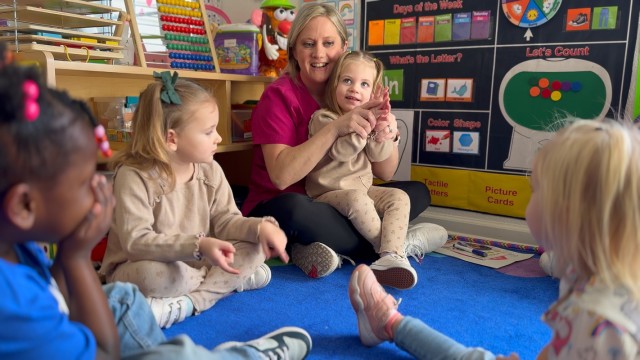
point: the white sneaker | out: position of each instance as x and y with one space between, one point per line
169 311
395 271
289 342
423 238
259 279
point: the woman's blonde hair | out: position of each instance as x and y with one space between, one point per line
152 119
589 179
334 78
306 14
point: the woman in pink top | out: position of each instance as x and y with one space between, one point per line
284 154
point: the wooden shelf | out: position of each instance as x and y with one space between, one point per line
56 26
87 81
72 6
118 146
34 29
74 54
30 14
45 40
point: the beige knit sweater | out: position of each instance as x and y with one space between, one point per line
149 224
347 164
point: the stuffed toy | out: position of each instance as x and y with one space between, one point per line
274 24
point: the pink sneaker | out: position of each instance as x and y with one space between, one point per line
373 306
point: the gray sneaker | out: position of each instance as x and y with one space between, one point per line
395 271
316 259
290 343
423 238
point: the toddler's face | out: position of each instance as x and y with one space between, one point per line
355 84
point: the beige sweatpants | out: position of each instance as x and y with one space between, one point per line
381 215
203 283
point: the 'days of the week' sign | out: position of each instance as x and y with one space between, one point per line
477 191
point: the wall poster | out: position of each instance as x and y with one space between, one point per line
348 10
488 81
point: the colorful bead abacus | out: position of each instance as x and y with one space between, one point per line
186 35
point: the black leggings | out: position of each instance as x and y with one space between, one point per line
306 221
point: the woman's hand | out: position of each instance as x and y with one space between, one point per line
273 241
219 253
361 119
386 128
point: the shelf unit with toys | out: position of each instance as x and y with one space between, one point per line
60 27
68 70
87 81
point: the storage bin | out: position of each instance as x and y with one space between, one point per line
237 48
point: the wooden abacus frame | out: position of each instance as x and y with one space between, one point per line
89 46
178 12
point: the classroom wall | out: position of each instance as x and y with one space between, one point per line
239 11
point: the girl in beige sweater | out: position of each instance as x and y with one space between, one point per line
177 232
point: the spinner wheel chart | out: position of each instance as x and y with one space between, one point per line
530 13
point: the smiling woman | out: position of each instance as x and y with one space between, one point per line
284 154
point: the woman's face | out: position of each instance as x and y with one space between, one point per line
317 48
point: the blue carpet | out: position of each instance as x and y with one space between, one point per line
475 305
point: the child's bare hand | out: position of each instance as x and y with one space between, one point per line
219 253
381 94
95 224
273 241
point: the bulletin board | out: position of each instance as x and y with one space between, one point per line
487 83
348 10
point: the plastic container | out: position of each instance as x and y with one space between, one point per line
241 122
110 111
237 48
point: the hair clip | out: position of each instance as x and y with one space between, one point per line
102 141
168 95
31 94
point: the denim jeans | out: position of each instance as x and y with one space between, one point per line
142 338
423 342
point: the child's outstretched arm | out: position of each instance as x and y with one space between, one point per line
77 278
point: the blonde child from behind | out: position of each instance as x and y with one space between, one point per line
343 178
177 232
585 208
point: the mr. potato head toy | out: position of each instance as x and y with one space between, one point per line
275 23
